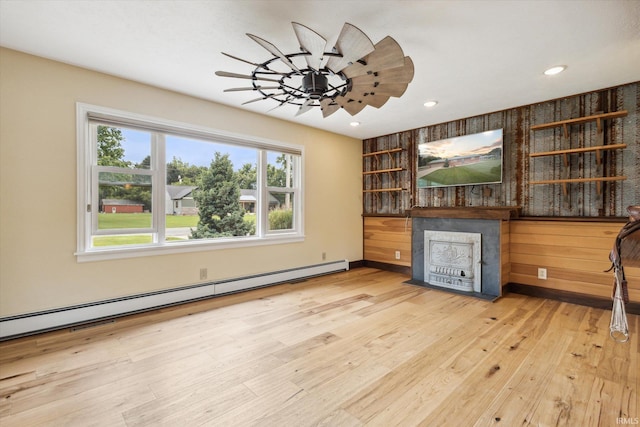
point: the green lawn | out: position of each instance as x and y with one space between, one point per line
488 171
143 220
108 221
137 239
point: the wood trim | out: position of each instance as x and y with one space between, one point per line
357 264
495 212
388 267
579 219
566 296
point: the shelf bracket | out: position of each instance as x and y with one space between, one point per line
566 198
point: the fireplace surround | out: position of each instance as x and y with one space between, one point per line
492 226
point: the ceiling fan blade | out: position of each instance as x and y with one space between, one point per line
308 104
274 51
352 44
263 98
244 76
311 42
255 64
388 54
376 101
391 89
352 106
328 107
281 103
242 60
236 89
389 76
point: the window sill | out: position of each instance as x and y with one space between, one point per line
177 247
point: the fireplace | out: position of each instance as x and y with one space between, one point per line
446 257
453 260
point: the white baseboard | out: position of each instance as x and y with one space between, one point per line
31 323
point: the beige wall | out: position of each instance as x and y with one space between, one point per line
38 269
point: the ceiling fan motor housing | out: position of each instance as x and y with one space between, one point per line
315 84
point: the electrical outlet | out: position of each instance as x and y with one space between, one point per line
203 274
542 273
324 256
397 254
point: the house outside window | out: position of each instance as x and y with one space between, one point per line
150 186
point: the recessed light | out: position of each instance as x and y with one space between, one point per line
555 70
354 124
430 103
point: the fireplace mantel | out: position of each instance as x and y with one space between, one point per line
504 213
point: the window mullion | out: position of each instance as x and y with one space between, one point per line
158 162
95 202
262 195
92 187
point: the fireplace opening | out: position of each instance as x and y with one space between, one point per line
453 260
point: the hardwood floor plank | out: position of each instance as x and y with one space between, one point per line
523 398
439 396
97 406
567 395
320 403
306 347
200 405
60 386
348 349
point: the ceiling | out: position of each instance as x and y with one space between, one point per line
473 57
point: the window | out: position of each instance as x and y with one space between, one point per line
149 186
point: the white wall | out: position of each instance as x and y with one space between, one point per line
38 269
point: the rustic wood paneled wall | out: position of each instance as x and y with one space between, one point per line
575 254
520 169
383 236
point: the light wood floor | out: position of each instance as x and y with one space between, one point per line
349 349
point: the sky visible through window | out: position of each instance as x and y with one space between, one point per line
199 153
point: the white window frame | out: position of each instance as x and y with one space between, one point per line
87 208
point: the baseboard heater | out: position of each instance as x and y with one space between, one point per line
31 323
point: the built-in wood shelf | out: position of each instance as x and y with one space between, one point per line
377 153
383 190
579 150
596 117
391 168
382 171
596 149
571 180
566 181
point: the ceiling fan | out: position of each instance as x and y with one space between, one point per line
354 74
